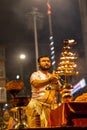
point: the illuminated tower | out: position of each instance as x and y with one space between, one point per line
2 67
3 96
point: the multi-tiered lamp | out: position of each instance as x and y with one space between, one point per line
67 66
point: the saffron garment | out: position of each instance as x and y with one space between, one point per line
41 103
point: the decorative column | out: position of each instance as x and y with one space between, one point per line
83 12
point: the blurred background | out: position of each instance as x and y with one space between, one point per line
25 29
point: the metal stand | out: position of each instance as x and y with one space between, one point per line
21 123
19 110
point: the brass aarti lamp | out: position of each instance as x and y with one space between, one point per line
67 66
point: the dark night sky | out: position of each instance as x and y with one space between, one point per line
17 31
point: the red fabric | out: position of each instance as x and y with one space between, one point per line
66 112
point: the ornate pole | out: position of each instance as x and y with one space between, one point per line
36 14
51 35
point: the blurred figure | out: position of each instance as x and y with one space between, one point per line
7 120
44 86
81 98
